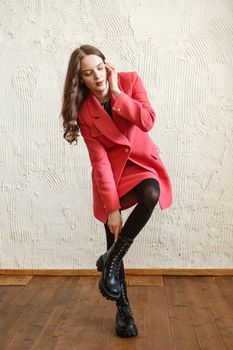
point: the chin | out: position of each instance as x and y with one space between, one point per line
102 87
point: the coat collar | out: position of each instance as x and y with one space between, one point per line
93 104
110 127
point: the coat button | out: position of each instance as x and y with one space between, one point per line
118 109
126 150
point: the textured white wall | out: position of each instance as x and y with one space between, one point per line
183 51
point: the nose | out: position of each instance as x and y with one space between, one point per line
97 75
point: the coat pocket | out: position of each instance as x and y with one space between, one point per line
155 152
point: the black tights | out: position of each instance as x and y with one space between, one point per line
148 192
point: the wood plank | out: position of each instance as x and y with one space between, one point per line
86 331
138 299
45 338
107 338
207 332
159 332
64 320
13 280
146 281
51 314
7 294
139 304
225 283
186 312
221 310
184 335
16 306
16 334
74 320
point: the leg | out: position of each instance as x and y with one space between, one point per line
125 324
110 240
148 192
109 263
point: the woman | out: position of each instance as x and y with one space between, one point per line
112 111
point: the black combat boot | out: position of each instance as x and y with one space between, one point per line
125 325
109 264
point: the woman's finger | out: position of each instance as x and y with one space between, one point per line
110 67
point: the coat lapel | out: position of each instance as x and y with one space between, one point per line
103 122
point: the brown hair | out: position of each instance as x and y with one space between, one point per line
75 93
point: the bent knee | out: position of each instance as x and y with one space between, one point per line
151 199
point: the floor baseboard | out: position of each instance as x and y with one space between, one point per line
128 271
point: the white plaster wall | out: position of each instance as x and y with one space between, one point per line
183 51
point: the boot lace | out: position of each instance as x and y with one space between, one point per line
123 305
116 262
114 267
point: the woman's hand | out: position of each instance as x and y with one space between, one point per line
115 223
112 78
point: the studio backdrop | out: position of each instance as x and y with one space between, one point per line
183 52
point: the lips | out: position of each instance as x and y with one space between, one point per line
100 83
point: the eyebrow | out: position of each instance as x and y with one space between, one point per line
90 69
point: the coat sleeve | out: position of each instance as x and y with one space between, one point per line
102 170
136 109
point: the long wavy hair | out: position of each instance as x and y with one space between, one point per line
75 92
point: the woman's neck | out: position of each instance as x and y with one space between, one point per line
104 96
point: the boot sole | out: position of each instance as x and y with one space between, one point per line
131 332
105 294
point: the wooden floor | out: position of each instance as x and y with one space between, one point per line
68 312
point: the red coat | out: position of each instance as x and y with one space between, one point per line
111 142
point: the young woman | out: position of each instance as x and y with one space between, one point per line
112 111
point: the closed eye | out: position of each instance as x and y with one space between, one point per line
99 68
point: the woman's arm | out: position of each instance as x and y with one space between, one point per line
102 170
136 109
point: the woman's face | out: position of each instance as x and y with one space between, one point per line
93 73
